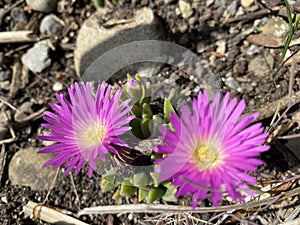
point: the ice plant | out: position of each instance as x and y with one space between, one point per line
211 148
84 127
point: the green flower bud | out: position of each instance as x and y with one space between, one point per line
133 89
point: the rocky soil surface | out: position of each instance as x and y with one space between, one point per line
47 45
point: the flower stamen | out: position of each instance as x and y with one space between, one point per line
206 157
93 135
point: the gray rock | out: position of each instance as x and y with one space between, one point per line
259 66
18 15
148 69
37 58
25 168
253 49
297 6
95 41
232 7
42 5
204 76
275 26
232 83
247 87
51 25
4 75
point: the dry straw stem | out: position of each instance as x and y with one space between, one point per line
17 36
159 208
49 215
293 222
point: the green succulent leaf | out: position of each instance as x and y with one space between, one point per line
107 186
111 176
147 112
154 124
98 3
116 195
145 125
140 179
173 96
170 195
168 108
136 110
136 128
156 193
155 178
142 194
127 190
138 78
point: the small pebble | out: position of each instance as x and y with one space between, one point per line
169 1
232 8
247 87
42 5
130 216
240 90
37 58
177 11
192 21
4 199
275 26
253 49
57 86
221 46
209 2
18 15
232 83
297 6
50 25
185 9
253 84
4 75
197 89
246 3
5 85
183 28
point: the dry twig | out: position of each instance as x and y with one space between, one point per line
17 36
2 159
49 215
158 208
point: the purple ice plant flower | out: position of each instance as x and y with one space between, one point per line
211 148
84 127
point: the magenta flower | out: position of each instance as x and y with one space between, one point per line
211 149
85 126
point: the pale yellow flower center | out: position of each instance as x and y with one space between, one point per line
92 135
206 157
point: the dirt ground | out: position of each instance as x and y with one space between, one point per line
212 24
